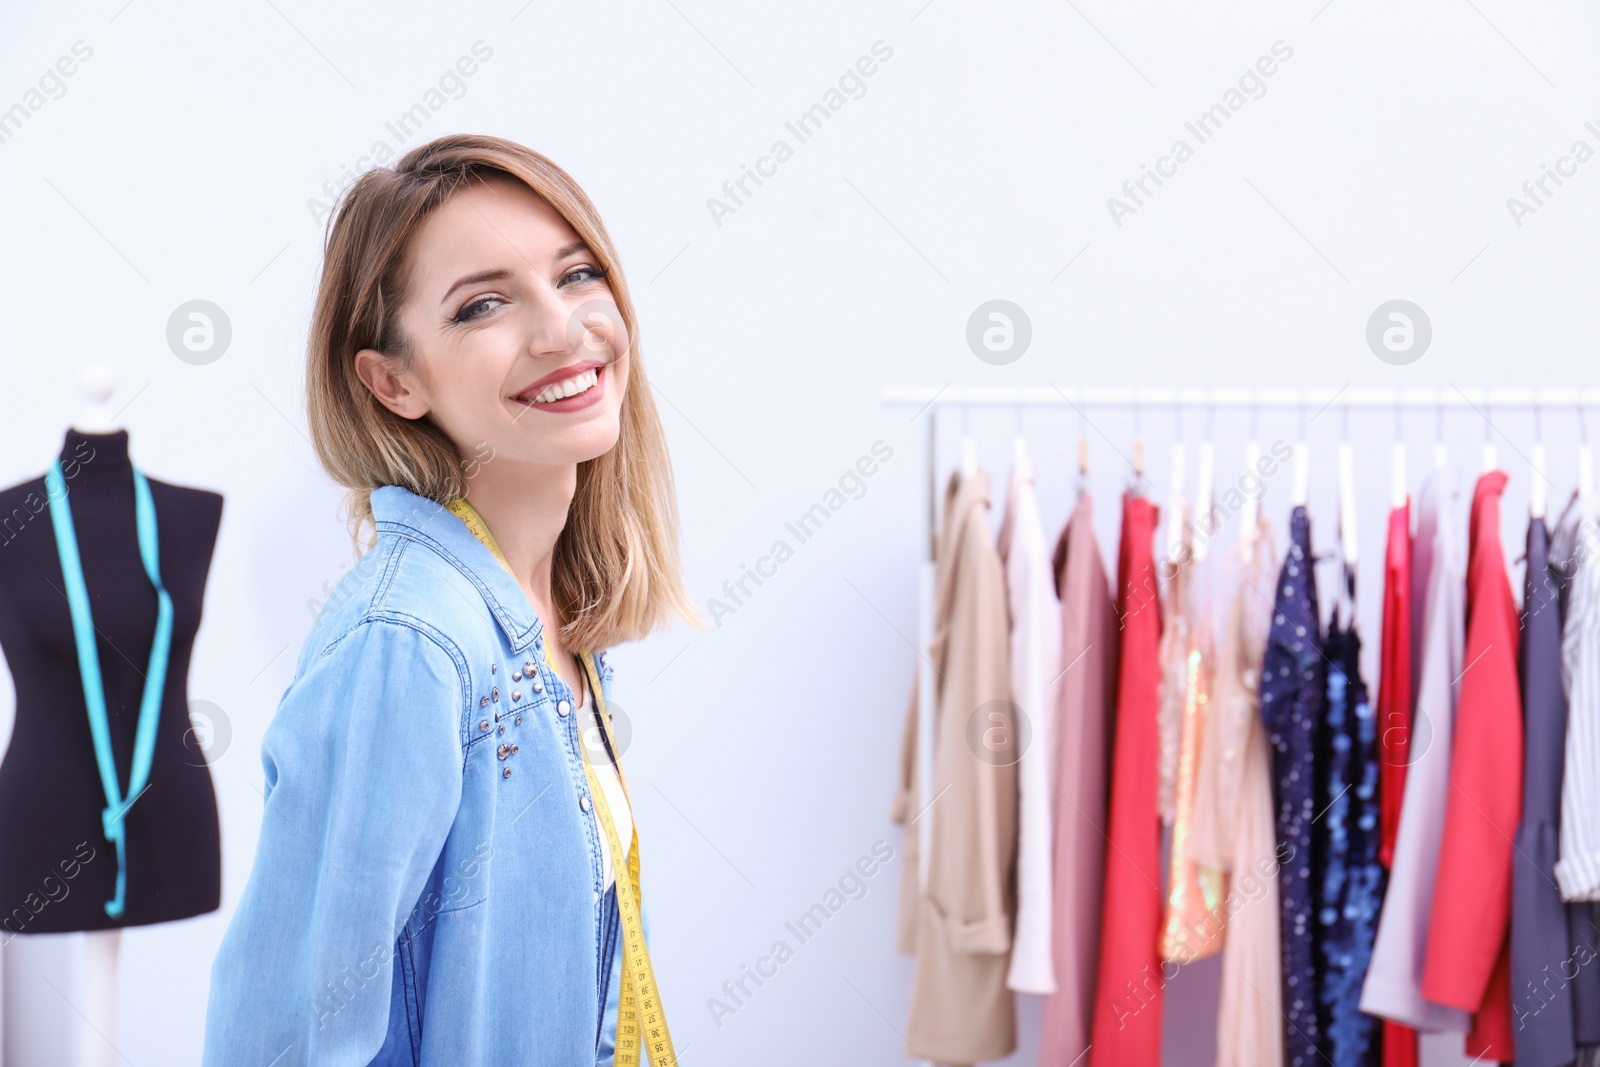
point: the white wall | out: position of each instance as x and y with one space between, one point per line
977 165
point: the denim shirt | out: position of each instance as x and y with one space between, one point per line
427 888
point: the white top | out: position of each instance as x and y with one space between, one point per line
610 784
1035 640
1576 541
1393 986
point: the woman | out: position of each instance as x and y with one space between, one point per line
447 871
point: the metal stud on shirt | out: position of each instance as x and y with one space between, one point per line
484 726
495 695
583 802
507 773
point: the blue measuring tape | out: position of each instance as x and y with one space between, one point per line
94 695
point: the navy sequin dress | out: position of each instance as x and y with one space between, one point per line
1349 876
1293 690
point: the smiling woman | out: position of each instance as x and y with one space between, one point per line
474 382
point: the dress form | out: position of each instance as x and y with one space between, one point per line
50 797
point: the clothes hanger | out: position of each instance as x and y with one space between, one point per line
1251 516
1536 495
969 451
1019 448
1489 462
1083 453
1204 501
1302 465
1441 454
1585 458
1347 491
1136 462
1397 464
1175 506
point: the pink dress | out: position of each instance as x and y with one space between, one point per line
1086 698
1234 826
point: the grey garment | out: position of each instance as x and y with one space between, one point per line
1583 925
1542 959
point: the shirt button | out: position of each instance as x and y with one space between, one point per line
583 802
563 708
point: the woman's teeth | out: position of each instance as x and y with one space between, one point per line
570 387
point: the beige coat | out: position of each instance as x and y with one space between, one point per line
959 925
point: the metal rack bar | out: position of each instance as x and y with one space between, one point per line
1350 396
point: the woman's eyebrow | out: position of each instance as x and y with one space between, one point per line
496 275
574 247
500 274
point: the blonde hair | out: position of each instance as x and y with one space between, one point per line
616 574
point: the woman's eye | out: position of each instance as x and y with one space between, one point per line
585 273
477 308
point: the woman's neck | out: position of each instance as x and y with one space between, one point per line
525 506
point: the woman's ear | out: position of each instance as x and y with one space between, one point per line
395 389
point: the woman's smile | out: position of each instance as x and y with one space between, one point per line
568 389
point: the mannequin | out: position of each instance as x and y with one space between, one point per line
57 869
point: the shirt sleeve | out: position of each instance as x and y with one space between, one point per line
363 779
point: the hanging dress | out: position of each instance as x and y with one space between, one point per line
1035 620
1541 995
1192 927
1396 697
1347 835
1577 541
1393 986
1086 700
1233 820
1292 695
1126 1031
1468 964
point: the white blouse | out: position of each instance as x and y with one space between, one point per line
1393 986
1035 646
610 784
1575 543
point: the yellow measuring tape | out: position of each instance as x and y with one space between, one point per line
641 1020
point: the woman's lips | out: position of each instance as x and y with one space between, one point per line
578 401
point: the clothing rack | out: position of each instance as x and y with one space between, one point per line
930 399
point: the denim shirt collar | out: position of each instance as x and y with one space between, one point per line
396 509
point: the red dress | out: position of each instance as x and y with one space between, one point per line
1126 1030
1394 728
1468 960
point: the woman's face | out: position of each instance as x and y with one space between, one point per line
520 352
